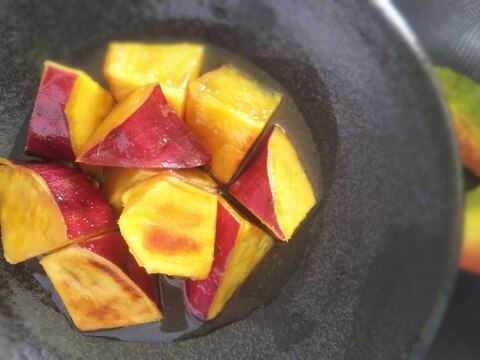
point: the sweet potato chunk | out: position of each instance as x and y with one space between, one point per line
101 285
169 225
143 132
239 247
131 65
227 111
275 187
69 107
47 206
113 247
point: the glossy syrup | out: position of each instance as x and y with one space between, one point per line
270 275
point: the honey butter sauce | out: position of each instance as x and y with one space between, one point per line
270 275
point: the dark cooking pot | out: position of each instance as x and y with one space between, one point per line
382 257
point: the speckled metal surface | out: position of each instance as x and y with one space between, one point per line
386 238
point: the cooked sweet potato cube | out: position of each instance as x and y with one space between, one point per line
239 247
69 107
227 111
129 66
47 206
101 285
142 131
275 187
169 225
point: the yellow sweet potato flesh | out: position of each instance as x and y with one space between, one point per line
227 112
119 180
26 199
87 106
96 293
169 226
131 65
293 195
118 115
251 245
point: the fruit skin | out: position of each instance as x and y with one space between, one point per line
253 190
227 111
63 207
119 180
143 132
48 135
101 285
68 108
84 210
131 65
275 187
169 226
470 254
463 96
239 247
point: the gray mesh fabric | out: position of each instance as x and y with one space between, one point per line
449 30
